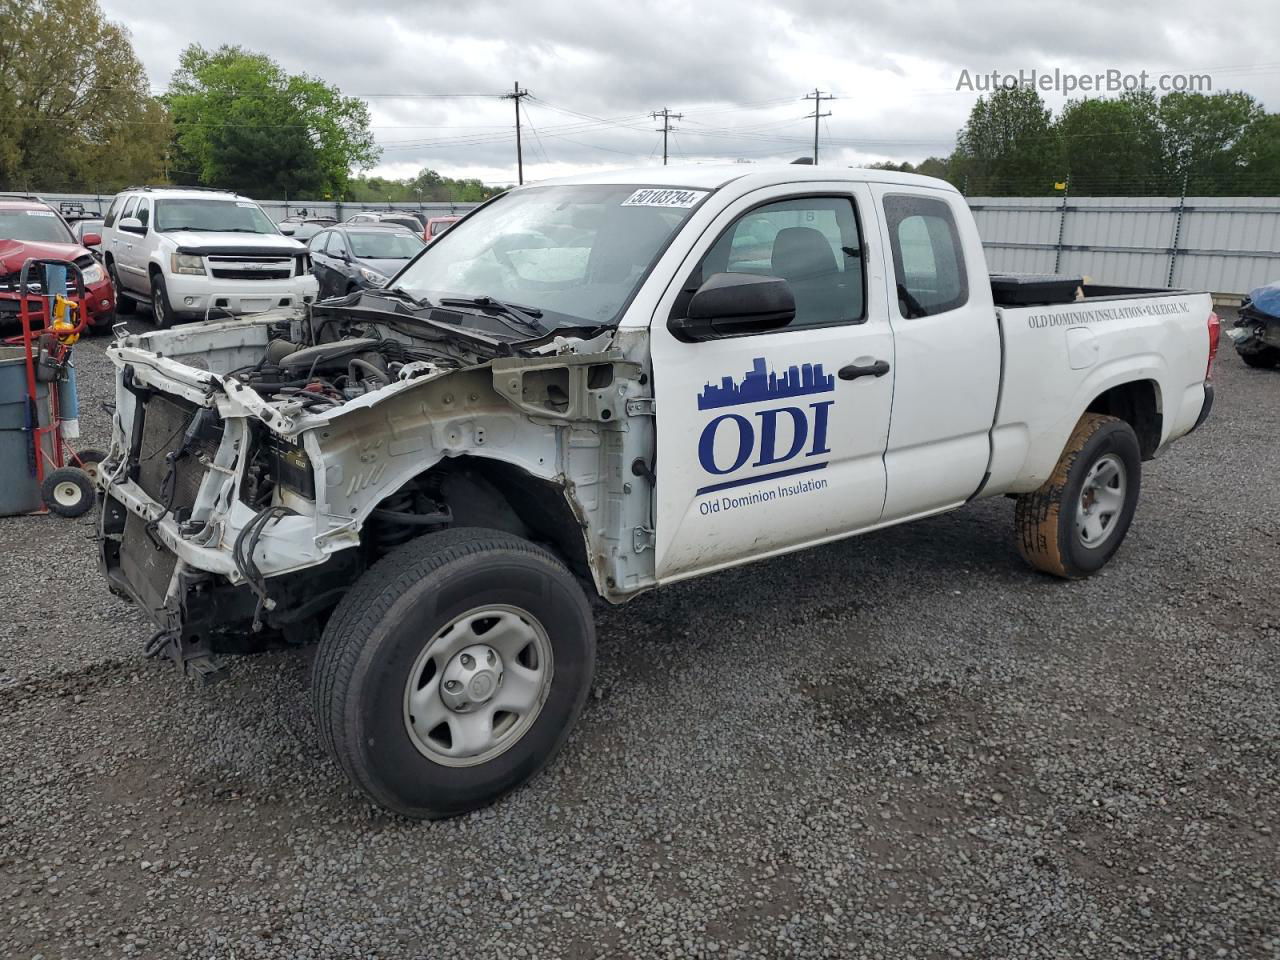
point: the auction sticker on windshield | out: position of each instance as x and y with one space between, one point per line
664 197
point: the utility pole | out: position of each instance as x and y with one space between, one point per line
667 116
817 97
517 95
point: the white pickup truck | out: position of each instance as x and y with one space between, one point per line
604 385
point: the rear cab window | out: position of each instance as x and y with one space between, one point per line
928 261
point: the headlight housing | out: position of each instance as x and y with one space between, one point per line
187 263
374 277
92 274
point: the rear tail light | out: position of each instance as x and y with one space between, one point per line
1215 334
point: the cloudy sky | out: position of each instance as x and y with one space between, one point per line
434 72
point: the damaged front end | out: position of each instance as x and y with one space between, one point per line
1256 332
259 466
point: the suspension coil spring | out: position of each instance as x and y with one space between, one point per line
388 534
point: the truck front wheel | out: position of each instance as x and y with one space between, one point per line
1073 524
453 671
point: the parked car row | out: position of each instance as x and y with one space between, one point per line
194 253
429 228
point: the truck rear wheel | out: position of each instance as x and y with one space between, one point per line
1073 524
453 671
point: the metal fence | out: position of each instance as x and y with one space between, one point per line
1226 245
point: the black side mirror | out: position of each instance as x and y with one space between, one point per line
734 305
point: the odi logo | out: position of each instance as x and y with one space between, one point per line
770 437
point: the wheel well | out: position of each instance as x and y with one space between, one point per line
487 493
1138 404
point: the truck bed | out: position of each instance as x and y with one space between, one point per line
1059 357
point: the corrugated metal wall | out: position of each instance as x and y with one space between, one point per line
1226 245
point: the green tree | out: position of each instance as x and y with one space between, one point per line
1202 136
1008 145
1260 156
1113 147
76 111
427 186
242 122
939 167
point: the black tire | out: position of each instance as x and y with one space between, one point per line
88 459
373 642
1046 519
68 492
125 304
1265 359
161 310
103 325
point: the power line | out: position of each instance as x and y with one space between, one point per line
817 97
537 139
666 128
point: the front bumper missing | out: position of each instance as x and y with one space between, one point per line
200 615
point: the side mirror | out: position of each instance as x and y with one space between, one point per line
132 225
92 240
287 231
733 305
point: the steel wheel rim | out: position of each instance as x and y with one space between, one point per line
490 705
90 467
1102 497
157 307
66 493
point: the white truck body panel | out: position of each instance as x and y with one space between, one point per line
758 446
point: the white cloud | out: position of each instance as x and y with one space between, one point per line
737 72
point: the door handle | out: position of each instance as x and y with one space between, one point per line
853 371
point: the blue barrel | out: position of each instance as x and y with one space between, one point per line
19 492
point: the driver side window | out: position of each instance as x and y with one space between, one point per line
811 242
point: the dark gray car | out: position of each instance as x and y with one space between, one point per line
348 258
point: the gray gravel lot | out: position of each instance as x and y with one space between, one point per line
903 745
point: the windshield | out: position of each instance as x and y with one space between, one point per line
391 245
34 225
199 213
577 251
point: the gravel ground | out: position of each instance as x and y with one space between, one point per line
904 745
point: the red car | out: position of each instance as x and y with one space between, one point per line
437 226
29 228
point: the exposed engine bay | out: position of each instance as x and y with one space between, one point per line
260 465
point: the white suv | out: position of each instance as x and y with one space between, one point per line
195 253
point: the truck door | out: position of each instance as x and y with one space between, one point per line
948 350
772 441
